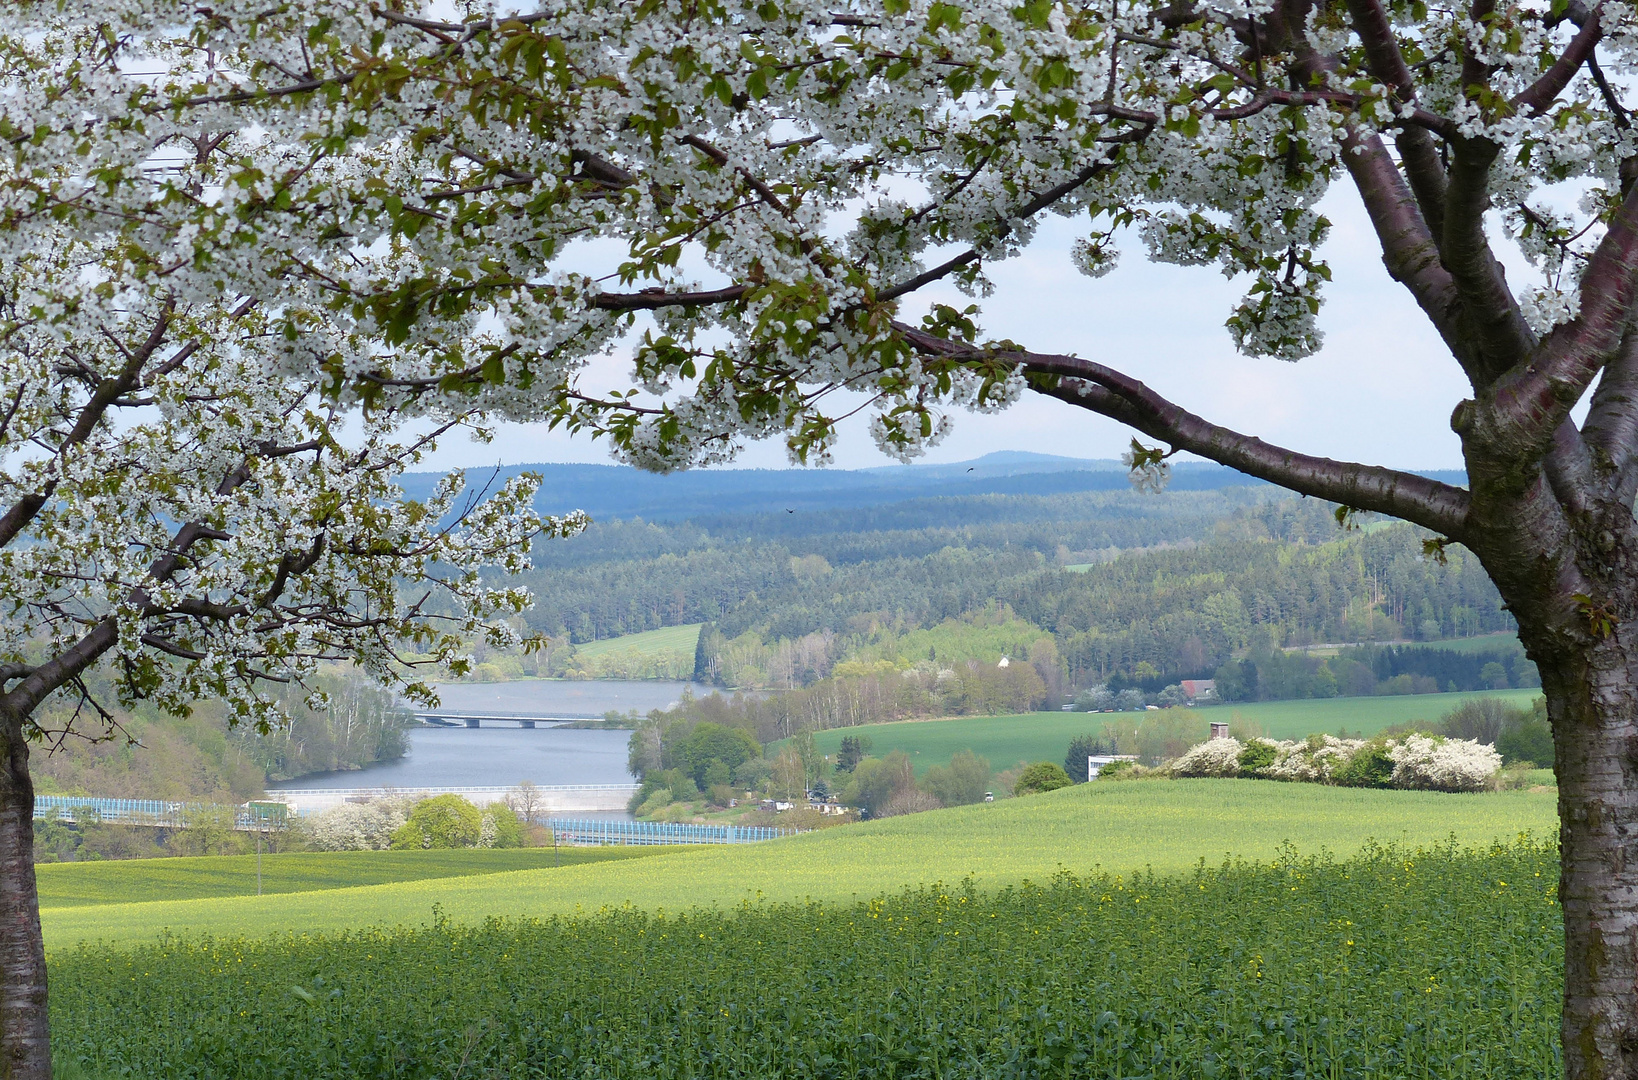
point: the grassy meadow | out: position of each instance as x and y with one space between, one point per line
1504 641
85 884
1168 827
667 653
667 639
1007 740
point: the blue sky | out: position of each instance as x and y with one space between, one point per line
1380 391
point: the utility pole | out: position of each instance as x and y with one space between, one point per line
261 813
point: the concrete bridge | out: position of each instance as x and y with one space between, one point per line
441 718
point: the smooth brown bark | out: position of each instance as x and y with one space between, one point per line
25 1048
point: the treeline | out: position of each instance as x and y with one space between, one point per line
1489 669
1184 612
1269 675
362 724
877 695
910 529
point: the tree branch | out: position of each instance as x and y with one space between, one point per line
1027 210
23 511
654 299
1416 150
1488 310
1611 427
1409 249
154 641
1538 95
67 665
1535 397
1475 72
293 564
1569 468
26 696
1103 390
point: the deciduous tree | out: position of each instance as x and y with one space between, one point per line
184 514
756 193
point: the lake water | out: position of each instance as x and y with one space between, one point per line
490 757
505 754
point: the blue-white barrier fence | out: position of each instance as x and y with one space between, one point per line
598 831
85 809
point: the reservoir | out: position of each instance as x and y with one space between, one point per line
489 757
503 755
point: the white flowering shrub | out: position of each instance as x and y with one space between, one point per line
1215 757
1419 761
1439 764
1315 760
358 826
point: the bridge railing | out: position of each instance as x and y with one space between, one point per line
593 832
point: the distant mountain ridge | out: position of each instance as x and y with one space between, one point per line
609 492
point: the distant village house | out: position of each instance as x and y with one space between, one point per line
1199 690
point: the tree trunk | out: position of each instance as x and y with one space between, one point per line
25 1048
1592 701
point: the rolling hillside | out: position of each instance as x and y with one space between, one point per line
1120 827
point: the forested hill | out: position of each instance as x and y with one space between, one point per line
769 570
609 492
1179 582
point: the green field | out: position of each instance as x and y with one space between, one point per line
1168 826
1007 740
1299 719
1396 964
667 639
1504 642
66 885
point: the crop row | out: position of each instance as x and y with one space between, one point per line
1440 963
